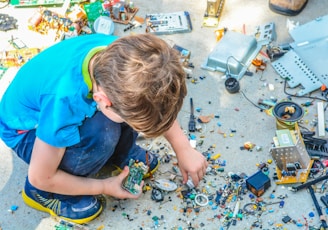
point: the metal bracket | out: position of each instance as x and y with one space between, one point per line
235 51
305 63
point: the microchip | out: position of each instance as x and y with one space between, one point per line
286 219
133 180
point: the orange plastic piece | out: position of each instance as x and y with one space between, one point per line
219 33
248 145
257 62
260 64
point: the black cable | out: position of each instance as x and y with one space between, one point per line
298 96
285 91
257 106
250 208
303 127
262 76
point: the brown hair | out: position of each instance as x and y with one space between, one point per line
144 78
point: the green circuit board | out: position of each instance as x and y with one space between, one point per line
133 180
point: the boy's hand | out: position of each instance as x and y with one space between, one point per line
192 163
113 186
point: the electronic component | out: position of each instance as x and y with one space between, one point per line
166 185
157 195
17 57
192 122
258 183
7 22
169 23
213 12
235 51
133 180
290 155
51 3
201 199
286 219
17 43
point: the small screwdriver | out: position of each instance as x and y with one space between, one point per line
192 123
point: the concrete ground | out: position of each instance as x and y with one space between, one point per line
234 120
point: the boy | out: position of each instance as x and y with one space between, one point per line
80 104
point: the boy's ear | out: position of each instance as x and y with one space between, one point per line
101 97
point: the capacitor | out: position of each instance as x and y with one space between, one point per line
35 20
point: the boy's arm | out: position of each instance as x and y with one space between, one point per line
44 174
191 162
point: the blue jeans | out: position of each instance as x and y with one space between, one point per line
102 141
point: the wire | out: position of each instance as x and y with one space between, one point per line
298 96
303 127
262 76
325 99
257 106
4 3
227 63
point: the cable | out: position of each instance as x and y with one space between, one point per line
262 76
303 127
4 3
257 106
285 91
298 96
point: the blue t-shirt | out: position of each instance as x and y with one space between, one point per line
51 93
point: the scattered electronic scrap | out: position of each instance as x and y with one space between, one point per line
65 225
289 151
121 11
44 21
17 56
37 3
118 11
83 19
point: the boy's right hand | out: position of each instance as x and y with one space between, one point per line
113 186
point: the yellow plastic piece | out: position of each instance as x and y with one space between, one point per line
216 156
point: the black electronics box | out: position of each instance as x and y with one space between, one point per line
258 183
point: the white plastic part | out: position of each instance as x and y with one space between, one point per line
104 25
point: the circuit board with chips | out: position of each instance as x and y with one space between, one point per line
133 180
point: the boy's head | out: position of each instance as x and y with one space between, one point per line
144 80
